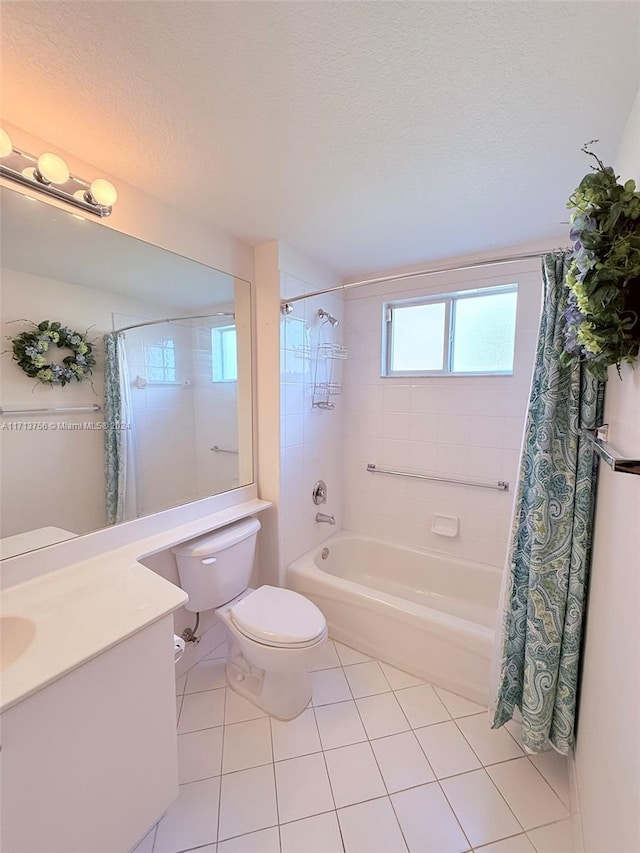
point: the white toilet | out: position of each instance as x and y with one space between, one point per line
275 634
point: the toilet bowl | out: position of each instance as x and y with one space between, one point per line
274 639
274 634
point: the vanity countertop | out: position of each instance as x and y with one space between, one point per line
83 609
79 612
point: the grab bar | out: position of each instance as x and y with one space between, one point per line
598 439
217 449
500 485
52 410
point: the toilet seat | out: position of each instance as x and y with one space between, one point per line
279 617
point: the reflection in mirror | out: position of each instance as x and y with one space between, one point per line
172 379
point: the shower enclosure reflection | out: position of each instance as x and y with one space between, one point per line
166 416
167 380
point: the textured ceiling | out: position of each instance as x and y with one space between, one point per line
369 134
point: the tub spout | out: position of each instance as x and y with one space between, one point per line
328 519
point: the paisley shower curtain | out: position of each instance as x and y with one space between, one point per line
119 434
544 592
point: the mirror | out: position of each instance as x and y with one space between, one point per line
165 416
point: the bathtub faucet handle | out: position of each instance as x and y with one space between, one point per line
319 493
327 519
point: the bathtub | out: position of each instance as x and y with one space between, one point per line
430 615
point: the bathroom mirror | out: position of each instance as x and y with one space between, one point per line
165 418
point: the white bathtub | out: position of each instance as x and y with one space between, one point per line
427 614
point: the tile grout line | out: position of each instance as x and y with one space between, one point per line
537 769
412 731
507 761
326 767
275 781
224 719
375 757
370 741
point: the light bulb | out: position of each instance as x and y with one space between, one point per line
6 146
53 169
103 192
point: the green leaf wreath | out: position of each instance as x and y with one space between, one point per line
602 325
30 350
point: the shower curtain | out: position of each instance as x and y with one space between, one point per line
544 590
119 434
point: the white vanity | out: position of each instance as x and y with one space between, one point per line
88 709
88 724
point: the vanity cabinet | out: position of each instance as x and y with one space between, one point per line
90 760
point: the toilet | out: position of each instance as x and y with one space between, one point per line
275 634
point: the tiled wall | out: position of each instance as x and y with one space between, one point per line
216 418
450 426
163 416
311 438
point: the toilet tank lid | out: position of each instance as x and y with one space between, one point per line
218 540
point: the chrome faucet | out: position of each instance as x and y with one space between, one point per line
328 519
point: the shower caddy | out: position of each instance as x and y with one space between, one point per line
328 351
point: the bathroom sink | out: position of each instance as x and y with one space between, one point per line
16 635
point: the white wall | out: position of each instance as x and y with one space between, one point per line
452 426
607 752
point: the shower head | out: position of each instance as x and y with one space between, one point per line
325 314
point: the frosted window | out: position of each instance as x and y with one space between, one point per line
160 361
484 329
224 354
417 341
467 332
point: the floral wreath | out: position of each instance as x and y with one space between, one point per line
602 325
29 350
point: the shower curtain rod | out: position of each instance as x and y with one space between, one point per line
286 304
174 320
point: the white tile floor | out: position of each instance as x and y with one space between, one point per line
379 763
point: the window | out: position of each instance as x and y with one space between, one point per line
160 361
224 354
469 332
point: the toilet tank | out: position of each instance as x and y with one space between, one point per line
217 567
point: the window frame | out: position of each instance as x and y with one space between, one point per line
449 299
218 332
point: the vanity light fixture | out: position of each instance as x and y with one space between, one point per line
49 174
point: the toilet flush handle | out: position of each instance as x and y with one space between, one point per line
208 560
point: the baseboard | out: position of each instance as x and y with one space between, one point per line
576 811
